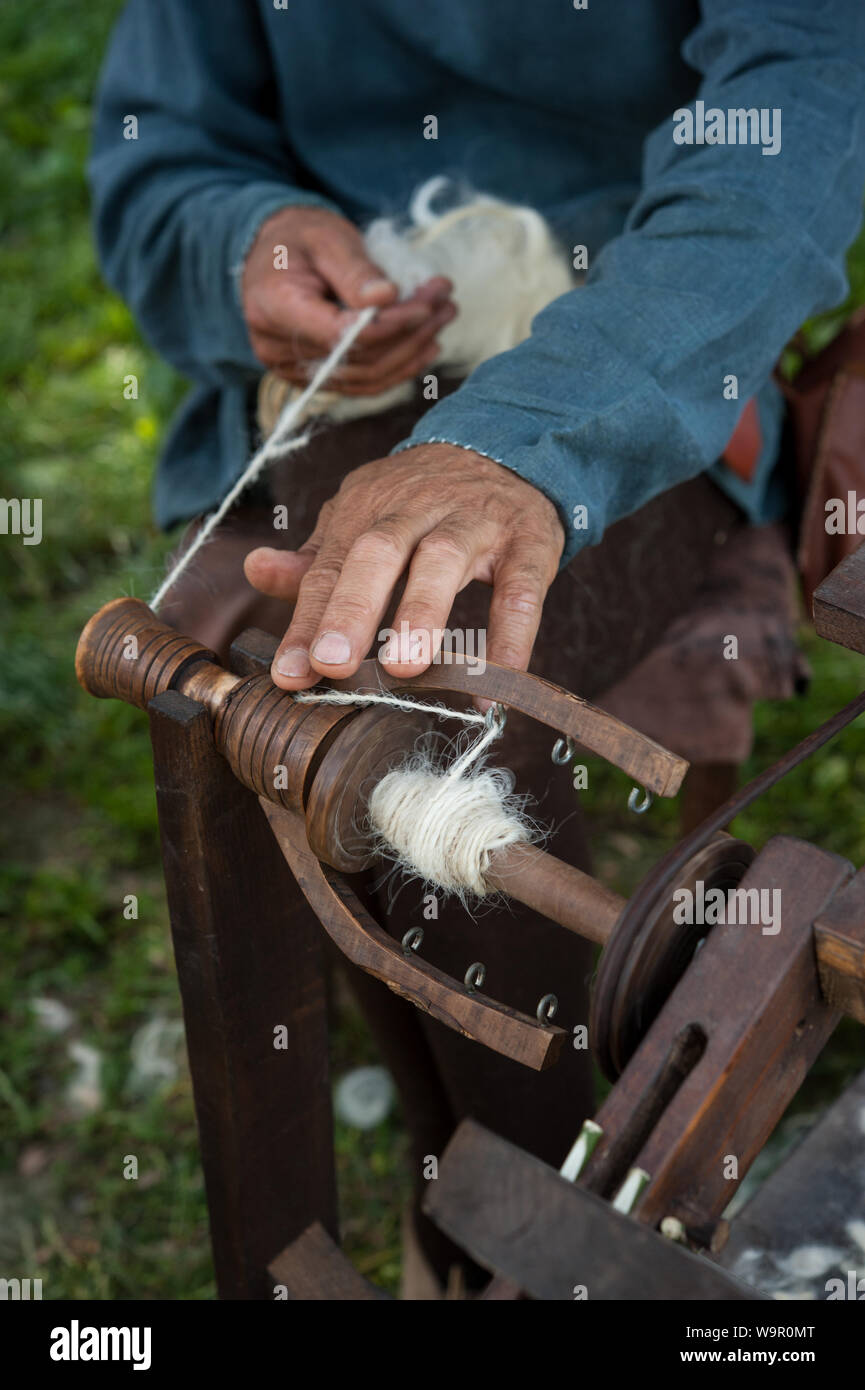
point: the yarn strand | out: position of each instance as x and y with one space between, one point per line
494 720
352 697
280 442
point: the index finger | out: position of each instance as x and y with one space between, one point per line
309 314
400 319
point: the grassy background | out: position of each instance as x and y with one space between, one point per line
76 778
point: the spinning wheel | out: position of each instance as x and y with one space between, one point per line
706 1046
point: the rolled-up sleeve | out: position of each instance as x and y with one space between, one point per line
623 388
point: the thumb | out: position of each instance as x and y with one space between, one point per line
277 573
340 257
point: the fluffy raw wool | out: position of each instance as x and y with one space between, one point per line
503 262
505 267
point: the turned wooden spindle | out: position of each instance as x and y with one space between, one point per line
556 890
317 760
320 761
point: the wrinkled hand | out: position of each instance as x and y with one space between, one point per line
297 312
443 514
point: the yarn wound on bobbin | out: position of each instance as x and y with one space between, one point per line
443 824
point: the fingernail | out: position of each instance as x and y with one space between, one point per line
413 648
294 663
376 286
332 649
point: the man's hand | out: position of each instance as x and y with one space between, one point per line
296 313
443 514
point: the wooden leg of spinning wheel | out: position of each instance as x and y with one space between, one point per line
249 961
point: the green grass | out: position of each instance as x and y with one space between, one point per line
80 833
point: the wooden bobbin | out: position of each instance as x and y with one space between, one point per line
271 741
317 760
377 740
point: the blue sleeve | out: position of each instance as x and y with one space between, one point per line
178 207
619 392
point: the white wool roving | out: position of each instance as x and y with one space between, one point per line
505 267
502 259
445 829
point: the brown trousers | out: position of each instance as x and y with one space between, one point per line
605 612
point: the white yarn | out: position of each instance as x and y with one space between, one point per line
505 267
442 825
280 442
446 829
352 697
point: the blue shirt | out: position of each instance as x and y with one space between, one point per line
703 258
